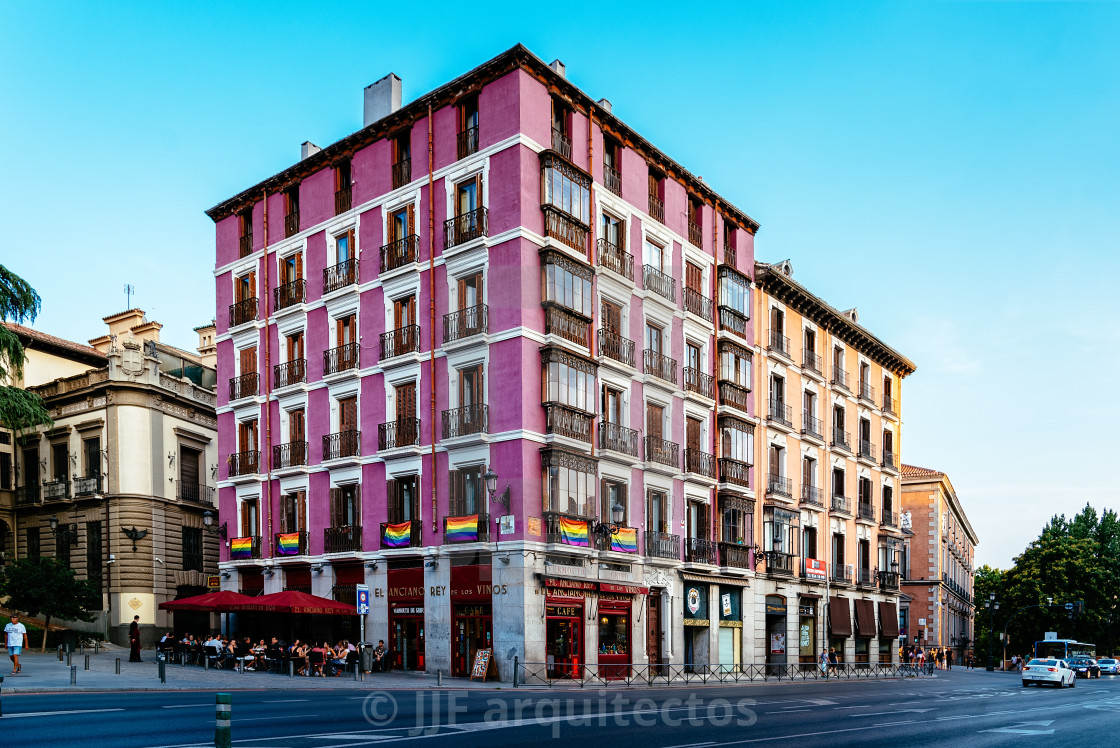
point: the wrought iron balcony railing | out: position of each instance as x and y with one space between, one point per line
697 303
559 225
402 433
866 392
400 341
656 208
700 463
254 545
811 426
888 580
781 413
618 438
291 224
695 234
660 283
812 495
735 555
614 346
780 564
890 405
342 200
562 144
28 495
553 530
890 462
339 276
841 573
839 377
866 449
615 258
888 518
865 578
699 382
612 178
734 395
663 452
466 323
467 142
196 492
402 173
290 294
342 444
340 359
301 543
245 245
87 485
564 421
246 385
660 366
778 344
700 551
245 463
399 253
663 545
242 312
778 485
342 539
291 372
464 227
735 472
865 510
482 528
841 504
841 439
466 420
811 361
559 321
292 454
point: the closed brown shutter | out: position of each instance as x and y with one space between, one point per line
693 277
888 620
248 360
348 414
406 401
839 617
611 317
692 433
653 420
295 426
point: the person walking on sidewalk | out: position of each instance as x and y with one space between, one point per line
134 640
823 660
15 641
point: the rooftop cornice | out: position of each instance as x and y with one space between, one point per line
790 292
517 57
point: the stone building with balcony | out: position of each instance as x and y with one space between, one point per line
117 487
938 562
829 490
537 255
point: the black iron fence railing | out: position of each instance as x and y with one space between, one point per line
662 451
402 433
662 545
466 420
342 444
245 463
614 257
246 385
465 323
399 253
700 463
400 341
464 227
735 472
339 276
291 372
699 382
340 359
290 294
196 492
660 283
342 539
618 438
242 312
292 454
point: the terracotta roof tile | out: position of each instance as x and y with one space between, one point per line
33 334
913 471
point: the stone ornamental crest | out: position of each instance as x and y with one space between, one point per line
132 360
135 604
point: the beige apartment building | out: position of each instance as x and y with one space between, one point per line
827 445
939 561
117 487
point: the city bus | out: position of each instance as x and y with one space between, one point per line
1063 649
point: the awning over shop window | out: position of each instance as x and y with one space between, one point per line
888 620
865 618
839 617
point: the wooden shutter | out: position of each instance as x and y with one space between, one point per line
348 414
693 277
457 489
692 433
654 415
775 462
406 401
611 317
251 286
301 512
806 472
188 467
248 360
296 426
287 502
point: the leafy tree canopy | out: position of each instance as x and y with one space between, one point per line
47 587
19 409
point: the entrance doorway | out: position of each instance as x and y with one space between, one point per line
653 627
407 642
472 630
776 631
563 640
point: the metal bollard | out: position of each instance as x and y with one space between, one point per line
60 653
87 662
205 661
118 666
68 657
223 732
162 671
515 671
291 669
1 689
97 646
73 675
439 679
357 670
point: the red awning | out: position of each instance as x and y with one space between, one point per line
221 601
291 601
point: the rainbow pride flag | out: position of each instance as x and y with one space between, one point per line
573 532
461 529
398 535
241 548
626 541
287 544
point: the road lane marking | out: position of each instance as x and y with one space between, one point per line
1025 728
65 711
898 711
285 701
187 706
277 716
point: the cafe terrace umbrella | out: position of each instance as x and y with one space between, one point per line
290 601
221 601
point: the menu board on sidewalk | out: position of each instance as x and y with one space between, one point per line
481 663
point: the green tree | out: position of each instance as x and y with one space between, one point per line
988 582
19 409
47 587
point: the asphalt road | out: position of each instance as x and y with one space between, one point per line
964 708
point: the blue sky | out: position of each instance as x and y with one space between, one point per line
949 168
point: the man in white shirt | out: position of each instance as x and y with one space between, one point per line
15 641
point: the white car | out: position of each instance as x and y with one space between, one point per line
1109 665
1054 672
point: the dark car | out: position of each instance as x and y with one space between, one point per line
1085 667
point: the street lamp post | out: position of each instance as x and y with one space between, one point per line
992 606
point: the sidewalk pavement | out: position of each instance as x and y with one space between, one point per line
43 673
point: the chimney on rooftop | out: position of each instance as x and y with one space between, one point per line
558 67
308 149
382 99
605 105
